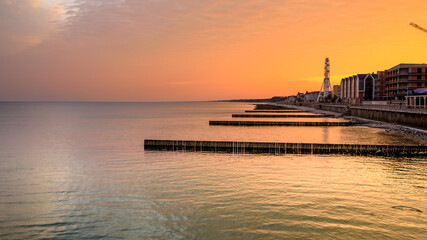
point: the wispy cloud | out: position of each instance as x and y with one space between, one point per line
154 23
113 49
27 23
149 23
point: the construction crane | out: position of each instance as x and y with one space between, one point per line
418 26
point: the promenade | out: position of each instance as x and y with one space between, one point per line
411 122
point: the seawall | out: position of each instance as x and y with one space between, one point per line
401 117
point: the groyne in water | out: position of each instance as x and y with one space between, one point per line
275 111
404 117
284 148
279 116
271 107
271 123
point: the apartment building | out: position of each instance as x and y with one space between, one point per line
357 88
403 78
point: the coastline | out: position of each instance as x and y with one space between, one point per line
417 134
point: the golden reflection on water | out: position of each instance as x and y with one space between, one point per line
80 171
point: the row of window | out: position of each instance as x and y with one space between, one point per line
406 70
420 70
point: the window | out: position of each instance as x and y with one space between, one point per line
419 70
419 84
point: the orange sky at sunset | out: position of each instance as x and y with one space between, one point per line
172 50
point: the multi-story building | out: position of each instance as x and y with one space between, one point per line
337 90
357 88
378 88
403 78
390 84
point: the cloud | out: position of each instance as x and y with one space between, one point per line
113 49
105 48
148 24
26 23
165 23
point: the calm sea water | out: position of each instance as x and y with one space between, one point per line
79 171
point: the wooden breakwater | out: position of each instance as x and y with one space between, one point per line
405 117
279 116
275 111
271 107
284 148
271 123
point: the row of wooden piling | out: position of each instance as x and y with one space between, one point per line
275 111
272 123
271 107
280 116
284 148
266 108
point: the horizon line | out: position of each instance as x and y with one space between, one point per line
184 101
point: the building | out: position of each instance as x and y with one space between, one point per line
300 97
291 99
337 90
311 96
401 79
417 98
358 88
378 87
367 91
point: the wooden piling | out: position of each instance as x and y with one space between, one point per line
280 116
271 123
285 148
275 111
271 107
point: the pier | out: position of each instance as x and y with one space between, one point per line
284 148
271 123
279 116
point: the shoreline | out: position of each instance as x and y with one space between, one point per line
419 135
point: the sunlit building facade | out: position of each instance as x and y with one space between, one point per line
403 78
337 90
357 88
378 87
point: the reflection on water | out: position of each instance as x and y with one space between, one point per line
79 171
325 135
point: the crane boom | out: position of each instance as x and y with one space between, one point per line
418 26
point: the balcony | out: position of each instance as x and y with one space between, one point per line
413 81
390 88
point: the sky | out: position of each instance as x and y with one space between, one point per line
188 50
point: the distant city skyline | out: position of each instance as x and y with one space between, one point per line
123 50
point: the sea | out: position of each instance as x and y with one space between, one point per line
80 171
